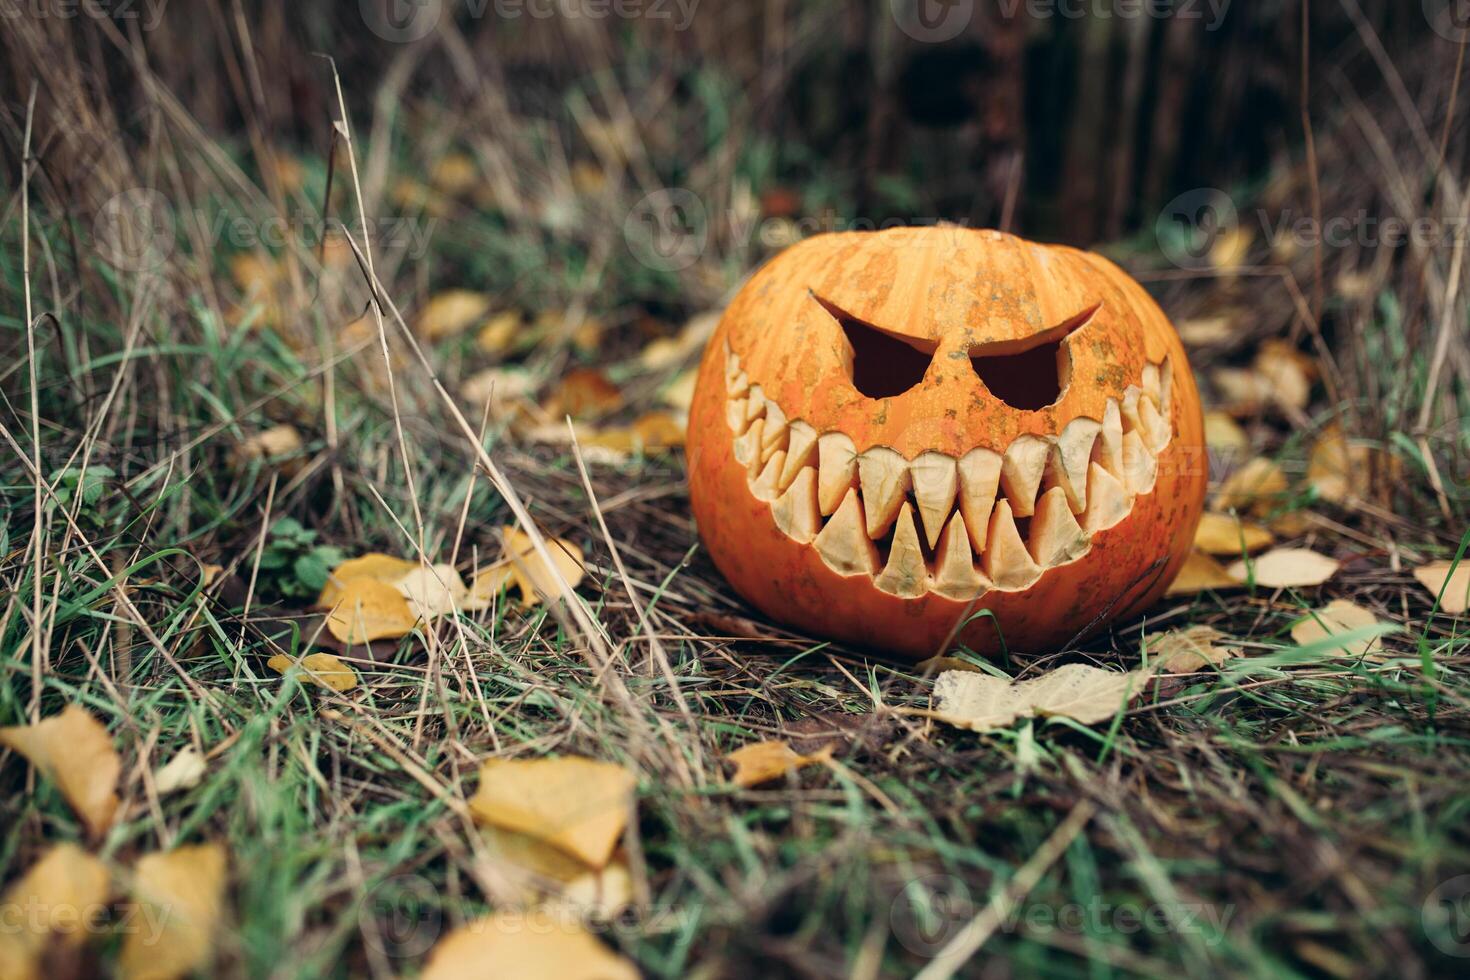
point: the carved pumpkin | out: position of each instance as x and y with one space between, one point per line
895 433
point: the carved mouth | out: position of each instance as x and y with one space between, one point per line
955 527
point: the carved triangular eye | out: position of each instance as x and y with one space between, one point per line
1029 374
883 365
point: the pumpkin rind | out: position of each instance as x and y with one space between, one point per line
775 409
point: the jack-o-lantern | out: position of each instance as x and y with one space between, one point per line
903 438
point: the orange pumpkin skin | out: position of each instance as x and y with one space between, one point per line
1089 556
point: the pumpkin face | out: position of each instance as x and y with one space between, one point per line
895 431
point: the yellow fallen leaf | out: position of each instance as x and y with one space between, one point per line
761 762
1222 534
1341 470
1185 651
435 590
414 195
526 870
679 393
367 609
451 312
1243 391
599 894
280 440
255 272
499 332
1337 617
1224 435
455 174
502 387
982 702
1288 372
183 771
182 891
1286 568
373 565
75 752
1204 331
537 580
1257 487
1199 573
513 944
322 668
1455 588
573 803
488 584
59 899
658 430
1231 247
588 178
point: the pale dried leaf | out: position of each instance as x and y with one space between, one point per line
1286 568
367 609
573 803
451 312
1337 617
499 386
1452 589
761 762
74 751
1185 651
435 590
321 668
679 393
538 581
1199 573
1204 331
57 900
183 771
511 944
183 891
1224 435
982 703
1223 534
499 332
1258 487
525 870
280 440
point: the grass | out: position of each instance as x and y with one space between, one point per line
1291 814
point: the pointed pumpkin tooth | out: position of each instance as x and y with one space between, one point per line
905 574
1107 501
747 449
836 469
935 478
796 510
1166 386
1129 408
843 542
732 364
735 410
800 450
884 477
955 574
756 405
740 385
765 486
1149 381
1140 468
1155 430
1110 439
776 427
979 477
1070 458
1056 537
1021 472
1007 562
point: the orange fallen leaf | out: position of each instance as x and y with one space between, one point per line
75 752
576 804
1222 534
1451 588
321 668
499 332
761 762
455 174
183 892
521 945
584 393
58 899
452 312
1199 573
1337 617
1286 568
367 609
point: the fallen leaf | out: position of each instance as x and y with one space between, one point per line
1257 487
280 440
588 178
679 393
1337 617
255 272
1243 391
525 946
573 803
373 565
182 892
183 771
536 580
1222 534
74 751
1199 573
367 609
435 590
455 174
584 393
982 703
321 668
1204 331
1288 372
761 762
525 870
601 895
1452 590
59 899
1286 568
499 332
1230 247
1224 435
452 312
1341 470
414 195
488 584
658 430
1185 651
500 386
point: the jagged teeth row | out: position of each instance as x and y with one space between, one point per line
952 521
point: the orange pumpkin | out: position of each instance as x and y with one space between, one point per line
907 437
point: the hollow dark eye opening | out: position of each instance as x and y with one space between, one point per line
1029 374
882 365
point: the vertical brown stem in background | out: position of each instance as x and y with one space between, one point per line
1003 111
1126 135
1082 196
1175 78
1318 290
